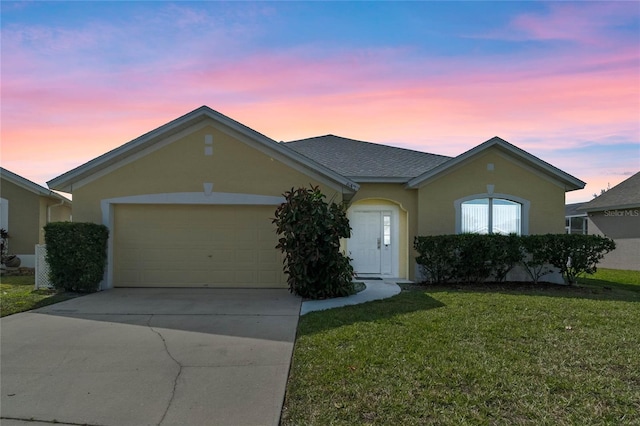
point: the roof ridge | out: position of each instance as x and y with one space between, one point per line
366 142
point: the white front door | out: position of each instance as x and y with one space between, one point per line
370 243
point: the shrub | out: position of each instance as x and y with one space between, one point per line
505 254
436 257
77 255
473 258
467 258
311 230
472 261
576 254
535 255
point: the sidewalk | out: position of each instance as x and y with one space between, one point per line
376 290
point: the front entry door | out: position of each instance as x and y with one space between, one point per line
370 242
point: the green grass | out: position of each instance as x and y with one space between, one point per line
18 294
510 354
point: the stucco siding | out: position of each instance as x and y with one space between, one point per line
51 211
24 218
182 166
60 213
507 176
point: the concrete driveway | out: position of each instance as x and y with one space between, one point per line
150 357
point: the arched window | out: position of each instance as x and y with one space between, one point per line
490 216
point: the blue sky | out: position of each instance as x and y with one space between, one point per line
558 79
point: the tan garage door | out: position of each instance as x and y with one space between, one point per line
196 246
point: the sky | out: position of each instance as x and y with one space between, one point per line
560 80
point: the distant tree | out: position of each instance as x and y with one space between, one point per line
602 191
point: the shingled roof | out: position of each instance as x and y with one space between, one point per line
626 194
365 161
574 209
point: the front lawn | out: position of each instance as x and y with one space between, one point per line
506 354
18 294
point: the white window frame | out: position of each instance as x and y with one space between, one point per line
524 209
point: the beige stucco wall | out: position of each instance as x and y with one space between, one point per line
51 210
406 201
181 166
28 214
24 217
59 213
436 198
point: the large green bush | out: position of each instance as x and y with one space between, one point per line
575 254
467 258
505 253
535 255
436 257
474 258
310 230
77 255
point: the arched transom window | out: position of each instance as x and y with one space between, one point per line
491 216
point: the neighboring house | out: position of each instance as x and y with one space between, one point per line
616 214
25 208
575 219
190 203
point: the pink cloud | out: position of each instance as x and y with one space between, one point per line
584 22
60 112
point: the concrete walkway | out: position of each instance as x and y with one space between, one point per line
150 357
376 290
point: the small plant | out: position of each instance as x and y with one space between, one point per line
311 230
10 260
4 243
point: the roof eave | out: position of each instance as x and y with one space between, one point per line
65 181
377 179
570 182
588 209
31 186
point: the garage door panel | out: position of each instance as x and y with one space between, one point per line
221 257
270 258
196 246
130 275
246 277
246 256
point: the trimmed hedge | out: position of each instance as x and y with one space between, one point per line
77 255
475 258
577 254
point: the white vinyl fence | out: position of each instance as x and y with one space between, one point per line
42 268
